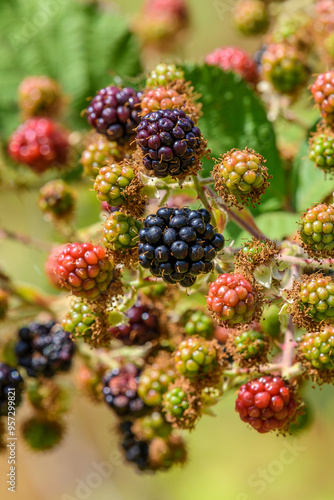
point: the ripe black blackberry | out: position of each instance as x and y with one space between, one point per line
9 379
115 112
120 391
170 142
142 327
44 349
136 451
177 245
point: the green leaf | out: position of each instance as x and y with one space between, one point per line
308 182
234 117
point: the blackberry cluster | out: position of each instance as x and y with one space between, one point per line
80 320
195 358
323 94
85 269
317 298
161 98
317 348
136 451
39 96
154 382
235 60
9 379
198 323
120 231
232 298
39 143
57 199
169 141
250 344
143 326
176 402
179 244
115 112
322 151
111 183
266 403
251 17
163 75
284 67
317 228
121 391
44 349
96 155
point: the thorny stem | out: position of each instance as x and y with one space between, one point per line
25 239
288 348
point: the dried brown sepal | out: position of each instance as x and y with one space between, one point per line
191 414
192 107
251 198
298 310
252 362
127 257
260 253
135 201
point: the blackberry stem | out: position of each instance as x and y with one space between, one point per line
202 196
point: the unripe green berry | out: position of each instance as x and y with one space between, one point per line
317 228
198 323
111 183
196 357
80 320
120 231
250 344
322 151
153 383
176 402
164 74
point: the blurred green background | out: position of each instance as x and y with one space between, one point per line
227 460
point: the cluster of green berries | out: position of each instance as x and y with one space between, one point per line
151 426
317 227
250 344
80 320
153 383
284 67
120 231
111 183
96 155
241 173
198 323
322 151
163 75
318 349
176 402
317 298
195 358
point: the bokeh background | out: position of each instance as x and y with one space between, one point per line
227 460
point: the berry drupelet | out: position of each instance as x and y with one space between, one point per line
11 387
179 244
44 349
85 269
115 112
39 143
143 326
170 143
235 60
267 403
232 298
121 391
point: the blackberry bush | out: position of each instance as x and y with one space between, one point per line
170 143
44 349
115 112
179 244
